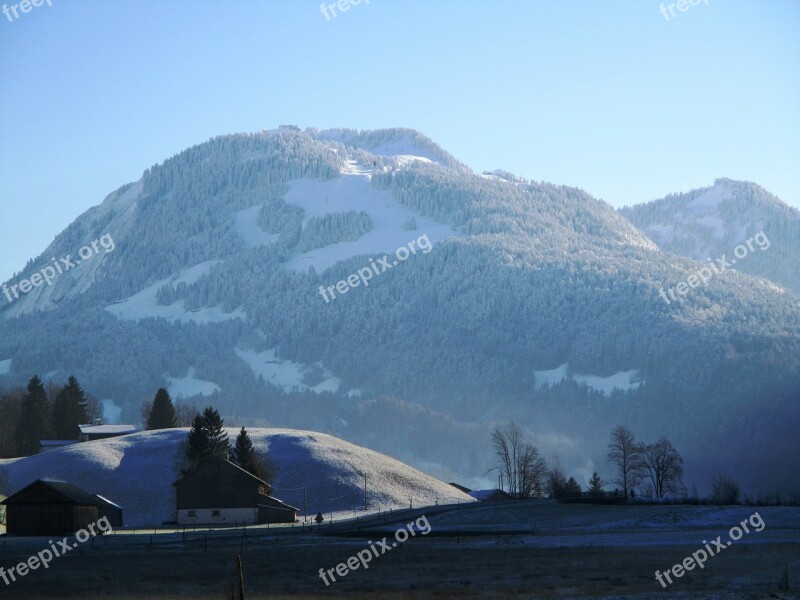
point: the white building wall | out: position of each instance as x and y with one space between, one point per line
225 516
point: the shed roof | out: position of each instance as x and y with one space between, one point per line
66 490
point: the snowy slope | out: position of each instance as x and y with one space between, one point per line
286 374
712 222
189 385
144 304
353 192
137 472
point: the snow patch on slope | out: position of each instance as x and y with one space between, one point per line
353 192
187 386
405 150
551 377
144 304
245 223
622 380
286 374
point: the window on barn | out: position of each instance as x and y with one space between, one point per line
214 513
192 513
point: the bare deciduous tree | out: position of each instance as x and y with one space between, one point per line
185 414
519 462
664 467
725 490
627 454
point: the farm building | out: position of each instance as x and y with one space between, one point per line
490 495
494 495
49 445
49 507
98 431
221 493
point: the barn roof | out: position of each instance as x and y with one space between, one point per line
225 464
275 503
488 494
107 429
66 490
105 500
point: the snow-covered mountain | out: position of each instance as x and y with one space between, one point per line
714 221
234 280
137 471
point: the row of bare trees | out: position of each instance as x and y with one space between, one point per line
525 474
657 466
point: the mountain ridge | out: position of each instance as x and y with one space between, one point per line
522 278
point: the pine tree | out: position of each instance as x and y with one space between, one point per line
207 441
596 484
34 422
162 414
69 411
197 445
573 487
245 455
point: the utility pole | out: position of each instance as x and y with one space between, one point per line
365 491
305 506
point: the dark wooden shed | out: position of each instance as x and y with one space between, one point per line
48 507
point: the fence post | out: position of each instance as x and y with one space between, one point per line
241 579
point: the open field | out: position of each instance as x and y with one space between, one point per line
569 552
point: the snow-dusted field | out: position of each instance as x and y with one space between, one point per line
137 472
599 552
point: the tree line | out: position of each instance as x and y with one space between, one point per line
52 412
654 470
42 412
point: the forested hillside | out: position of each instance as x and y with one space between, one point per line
536 302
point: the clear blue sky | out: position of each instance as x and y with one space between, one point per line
606 96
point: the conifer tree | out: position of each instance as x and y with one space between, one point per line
34 422
162 413
573 487
69 411
596 484
244 454
207 441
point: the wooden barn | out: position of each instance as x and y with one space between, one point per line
47 507
221 493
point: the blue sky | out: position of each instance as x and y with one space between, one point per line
607 96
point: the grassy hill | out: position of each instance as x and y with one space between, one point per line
137 472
